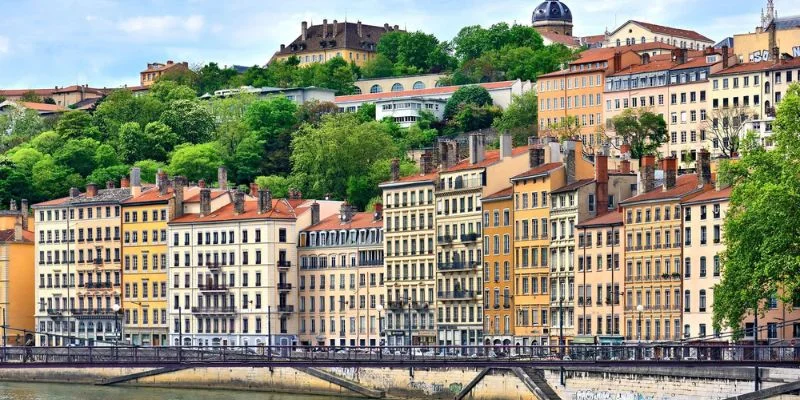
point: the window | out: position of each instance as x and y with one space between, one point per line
376 89
397 87
418 85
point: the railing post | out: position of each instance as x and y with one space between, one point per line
90 354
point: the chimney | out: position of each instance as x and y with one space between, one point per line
378 211
170 62
506 145
386 27
724 57
222 177
161 182
670 167
625 167
703 167
425 163
205 201
358 29
535 156
24 211
238 202
314 213
124 182
324 28
775 54
201 183
136 181
648 173
397 27
303 30
570 148
253 189
617 62
283 46
346 212
110 185
477 148
180 183
18 229
448 153
13 205
74 192
335 28
395 169
264 201
91 190
601 182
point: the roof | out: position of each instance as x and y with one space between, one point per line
745 68
490 157
684 185
41 108
540 170
20 92
116 195
599 54
85 104
607 219
416 178
153 67
362 220
153 195
7 235
346 37
710 196
668 30
215 194
79 88
281 209
788 22
554 37
665 62
444 90
573 186
592 39
501 195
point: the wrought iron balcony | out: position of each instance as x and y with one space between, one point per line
470 237
457 266
214 310
444 240
285 308
284 286
212 287
82 313
98 285
457 295
284 264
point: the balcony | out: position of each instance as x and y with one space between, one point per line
445 240
469 238
214 266
457 295
85 313
214 310
396 304
420 305
369 263
284 287
98 285
457 266
53 312
460 185
213 287
284 264
285 308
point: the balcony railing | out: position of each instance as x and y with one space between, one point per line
457 266
284 286
285 308
212 287
446 239
457 295
214 310
460 184
93 313
284 264
98 285
470 237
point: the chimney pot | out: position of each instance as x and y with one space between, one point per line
335 28
24 211
13 205
378 211
238 202
704 167
395 169
201 183
477 147
222 177
180 183
124 182
253 189
648 171
314 213
506 145
205 201
264 201
625 166
136 181
670 167
91 190
110 184
358 29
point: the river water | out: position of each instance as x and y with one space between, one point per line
47 391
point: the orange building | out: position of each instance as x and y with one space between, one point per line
498 267
155 70
16 275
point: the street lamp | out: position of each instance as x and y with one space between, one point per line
379 307
639 308
116 308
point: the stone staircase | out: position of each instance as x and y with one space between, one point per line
542 388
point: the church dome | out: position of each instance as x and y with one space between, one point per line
552 10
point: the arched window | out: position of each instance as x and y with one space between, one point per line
419 85
376 89
438 84
356 90
619 43
397 87
766 87
643 39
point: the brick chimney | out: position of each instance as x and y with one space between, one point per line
110 185
201 183
506 145
13 205
335 28
625 151
324 28
670 167
648 173
571 148
378 211
74 192
395 169
477 147
724 57
161 182
617 62
775 54
601 182
222 177
314 213
23 209
303 30
205 201
358 29
136 181
18 229
180 183
91 190
124 182
346 212
264 201
253 189
703 167
426 163
535 156
448 153
625 166
238 202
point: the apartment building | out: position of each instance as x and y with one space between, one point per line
653 250
17 277
409 221
633 31
459 216
341 264
78 267
498 267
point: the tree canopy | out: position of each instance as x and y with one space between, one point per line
643 130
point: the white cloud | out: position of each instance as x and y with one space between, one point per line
5 44
162 25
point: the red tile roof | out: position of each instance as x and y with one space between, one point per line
489 158
281 209
566 40
684 185
20 92
505 193
591 39
362 220
419 92
573 186
152 194
215 193
7 235
663 62
746 67
42 107
710 196
610 218
667 30
542 169
432 177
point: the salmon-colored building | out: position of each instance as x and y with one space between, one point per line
16 275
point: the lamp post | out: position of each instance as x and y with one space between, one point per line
117 309
639 308
379 307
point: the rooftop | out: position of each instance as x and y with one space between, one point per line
7 235
116 195
151 194
607 219
490 157
503 194
284 209
684 185
668 30
566 40
710 196
444 90
362 220
573 186
348 35
431 177
540 170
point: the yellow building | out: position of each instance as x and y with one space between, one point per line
155 70
16 275
353 41
498 267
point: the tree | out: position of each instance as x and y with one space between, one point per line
519 118
30 97
190 120
112 173
121 106
78 155
19 126
472 117
211 77
246 162
325 157
47 142
73 124
196 161
762 252
363 188
473 41
277 185
366 112
312 111
182 76
106 156
472 94
52 180
379 66
167 91
148 169
25 158
415 52
726 127
643 130
273 120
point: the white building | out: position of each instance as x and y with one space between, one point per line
405 111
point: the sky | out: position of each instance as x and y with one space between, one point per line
103 43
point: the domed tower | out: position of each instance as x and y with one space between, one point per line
553 16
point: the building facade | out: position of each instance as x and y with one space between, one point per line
17 277
155 70
498 268
341 279
398 83
638 32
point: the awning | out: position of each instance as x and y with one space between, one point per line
583 340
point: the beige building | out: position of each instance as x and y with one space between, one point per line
459 215
398 83
637 32
155 70
341 281
410 235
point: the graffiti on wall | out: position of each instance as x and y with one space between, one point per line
763 55
602 395
427 388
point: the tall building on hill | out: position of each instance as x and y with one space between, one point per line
353 41
155 70
17 277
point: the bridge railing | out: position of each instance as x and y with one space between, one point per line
573 354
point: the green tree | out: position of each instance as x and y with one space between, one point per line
519 118
366 112
182 76
643 130
148 169
166 91
211 77
196 161
277 185
25 158
472 94
30 97
19 126
78 155
312 111
106 156
379 66
120 107
415 52
111 173
246 162
47 142
363 188
761 233
73 124
190 120
471 117
52 179
473 41
273 120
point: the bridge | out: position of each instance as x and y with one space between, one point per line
639 355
